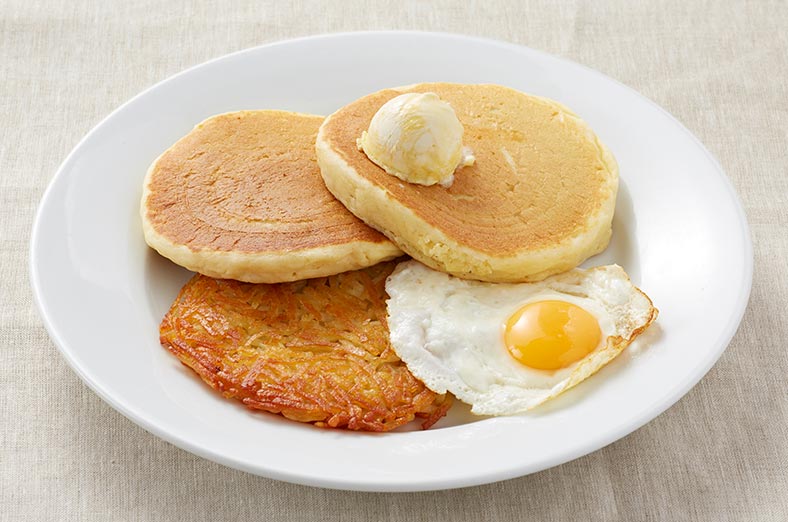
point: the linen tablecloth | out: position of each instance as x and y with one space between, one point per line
721 68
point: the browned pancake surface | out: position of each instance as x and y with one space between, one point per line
314 351
249 182
542 193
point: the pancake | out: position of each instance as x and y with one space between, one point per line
241 197
538 201
313 351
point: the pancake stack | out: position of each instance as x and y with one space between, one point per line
538 201
240 197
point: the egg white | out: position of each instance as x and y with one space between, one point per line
449 331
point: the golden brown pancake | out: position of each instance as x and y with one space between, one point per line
314 351
241 197
538 201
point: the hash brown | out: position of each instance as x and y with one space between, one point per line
315 351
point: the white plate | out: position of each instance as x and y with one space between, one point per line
679 231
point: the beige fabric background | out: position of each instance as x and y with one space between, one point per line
720 454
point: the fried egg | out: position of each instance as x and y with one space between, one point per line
505 348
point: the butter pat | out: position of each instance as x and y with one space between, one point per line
417 137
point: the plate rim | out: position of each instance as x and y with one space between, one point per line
725 335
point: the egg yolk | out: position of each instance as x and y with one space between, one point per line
548 335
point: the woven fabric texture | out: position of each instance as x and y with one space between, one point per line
721 453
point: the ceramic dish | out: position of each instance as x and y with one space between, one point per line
679 231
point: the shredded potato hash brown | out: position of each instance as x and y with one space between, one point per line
314 351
